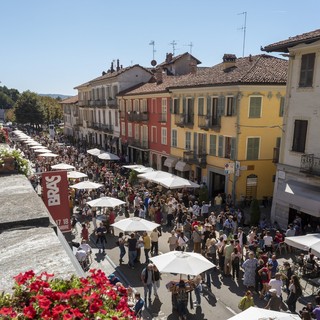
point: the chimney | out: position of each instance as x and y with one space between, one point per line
193 67
229 60
158 76
168 57
250 57
111 69
118 65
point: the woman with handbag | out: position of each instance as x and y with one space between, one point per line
295 292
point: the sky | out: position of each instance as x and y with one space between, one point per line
51 46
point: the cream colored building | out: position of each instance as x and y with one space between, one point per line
297 187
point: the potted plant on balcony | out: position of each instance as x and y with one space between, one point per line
12 161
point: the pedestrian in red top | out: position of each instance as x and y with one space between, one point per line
84 232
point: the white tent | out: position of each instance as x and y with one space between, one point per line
254 313
309 241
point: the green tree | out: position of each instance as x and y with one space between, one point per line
254 212
52 109
5 101
28 109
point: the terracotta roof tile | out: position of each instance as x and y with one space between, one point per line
282 46
259 69
70 100
175 58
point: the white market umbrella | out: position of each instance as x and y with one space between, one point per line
155 175
33 143
94 152
176 182
139 168
135 224
306 242
108 156
42 150
62 166
254 313
189 263
37 146
48 155
108 202
76 175
86 185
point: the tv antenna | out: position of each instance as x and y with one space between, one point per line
244 29
190 45
173 43
152 43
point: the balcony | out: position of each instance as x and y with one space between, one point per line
162 117
83 103
276 154
199 159
141 144
122 114
206 122
310 164
135 116
183 120
111 103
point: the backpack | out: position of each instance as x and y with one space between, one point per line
264 276
182 295
236 260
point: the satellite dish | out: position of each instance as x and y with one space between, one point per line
153 63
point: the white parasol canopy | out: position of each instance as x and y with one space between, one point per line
108 202
135 224
155 175
108 156
94 152
254 313
309 241
86 185
188 263
42 150
48 155
139 168
62 166
37 146
176 182
76 175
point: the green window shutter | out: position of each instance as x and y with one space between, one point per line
195 142
221 106
234 106
233 149
200 106
171 105
281 110
204 145
220 147
253 148
184 106
255 107
209 101
213 145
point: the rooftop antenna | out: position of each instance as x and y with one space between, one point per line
152 43
190 45
244 28
173 43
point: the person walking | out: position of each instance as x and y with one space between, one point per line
249 268
132 248
121 244
173 241
146 245
197 239
101 237
295 292
235 263
274 302
147 278
197 280
154 236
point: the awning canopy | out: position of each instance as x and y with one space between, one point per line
301 195
182 166
170 162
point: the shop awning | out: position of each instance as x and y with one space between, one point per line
302 195
182 166
170 162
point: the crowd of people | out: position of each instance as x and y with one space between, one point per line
214 229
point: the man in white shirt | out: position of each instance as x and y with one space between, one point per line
276 283
268 242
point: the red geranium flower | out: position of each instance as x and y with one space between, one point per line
29 312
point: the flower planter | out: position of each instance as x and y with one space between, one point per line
8 165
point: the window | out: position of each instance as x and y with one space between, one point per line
253 145
136 131
306 71
201 106
213 145
144 105
129 106
299 135
255 107
123 128
175 107
229 111
164 136
227 147
281 110
164 110
116 118
129 129
188 141
121 105
153 105
136 105
174 136
154 134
